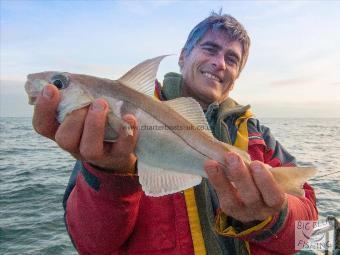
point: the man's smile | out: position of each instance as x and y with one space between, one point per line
211 76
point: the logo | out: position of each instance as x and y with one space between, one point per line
314 235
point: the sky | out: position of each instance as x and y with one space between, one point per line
293 69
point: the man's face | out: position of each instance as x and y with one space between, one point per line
210 70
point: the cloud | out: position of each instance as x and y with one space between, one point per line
292 81
311 109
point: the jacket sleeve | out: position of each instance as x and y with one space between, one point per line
100 209
275 235
279 233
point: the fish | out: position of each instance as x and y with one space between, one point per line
174 138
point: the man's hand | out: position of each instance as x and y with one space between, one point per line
246 194
82 133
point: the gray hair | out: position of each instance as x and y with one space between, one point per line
226 23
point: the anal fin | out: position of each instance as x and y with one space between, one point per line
158 182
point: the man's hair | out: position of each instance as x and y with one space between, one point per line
226 23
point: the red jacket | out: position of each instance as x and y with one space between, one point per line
110 214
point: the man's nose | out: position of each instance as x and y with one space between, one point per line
218 62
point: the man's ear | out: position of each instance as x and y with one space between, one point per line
181 59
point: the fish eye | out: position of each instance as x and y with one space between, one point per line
60 81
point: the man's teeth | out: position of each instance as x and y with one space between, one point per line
211 76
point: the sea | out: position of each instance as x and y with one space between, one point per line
34 173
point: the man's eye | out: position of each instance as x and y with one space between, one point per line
232 61
210 50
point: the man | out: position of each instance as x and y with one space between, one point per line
239 210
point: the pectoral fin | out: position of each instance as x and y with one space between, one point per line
113 127
190 109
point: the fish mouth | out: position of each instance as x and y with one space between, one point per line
32 100
32 92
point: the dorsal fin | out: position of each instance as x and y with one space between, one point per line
190 109
142 77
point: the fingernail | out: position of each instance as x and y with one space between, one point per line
98 106
212 170
129 120
232 160
47 92
256 167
